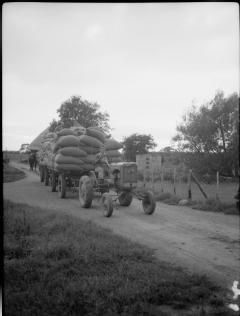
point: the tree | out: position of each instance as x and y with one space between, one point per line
167 149
85 113
137 144
213 129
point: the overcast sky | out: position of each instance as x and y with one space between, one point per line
145 64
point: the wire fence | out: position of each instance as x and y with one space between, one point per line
188 185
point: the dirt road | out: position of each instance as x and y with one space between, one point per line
202 242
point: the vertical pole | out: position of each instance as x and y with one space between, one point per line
152 171
162 178
217 193
144 177
189 185
174 180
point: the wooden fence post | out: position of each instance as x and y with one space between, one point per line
174 180
152 178
199 185
217 193
144 177
189 185
162 178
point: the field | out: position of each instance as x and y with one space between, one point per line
58 265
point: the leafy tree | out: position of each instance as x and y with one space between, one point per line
85 113
167 149
213 129
137 144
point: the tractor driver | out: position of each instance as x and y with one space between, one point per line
102 165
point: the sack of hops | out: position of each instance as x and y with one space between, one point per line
112 144
96 133
68 167
50 136
90 141
68 160
72 151
90 159
67 141
89 150
65 132
78 130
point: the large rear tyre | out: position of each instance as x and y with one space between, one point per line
53 182
149 203
46 176
85 192
61 186
107 205
125 198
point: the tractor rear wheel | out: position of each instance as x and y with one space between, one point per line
61 186
41 173
149 203
53 182
107 205
85 192
125 198
46 176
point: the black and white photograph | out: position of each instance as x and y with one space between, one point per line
120 146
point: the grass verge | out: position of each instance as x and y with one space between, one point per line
210 205
11 174
55 264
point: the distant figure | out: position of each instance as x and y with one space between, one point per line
32 161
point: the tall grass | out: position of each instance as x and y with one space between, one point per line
11 174
59 265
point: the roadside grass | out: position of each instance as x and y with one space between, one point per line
55 264
215 205
210 204
11 174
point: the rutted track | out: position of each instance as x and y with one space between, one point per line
203 242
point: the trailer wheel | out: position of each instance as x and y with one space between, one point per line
61 186
41 173
85 192
149 203
125 198
53 182
46 176
107 205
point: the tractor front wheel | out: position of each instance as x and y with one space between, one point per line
148 203
125 198
107 205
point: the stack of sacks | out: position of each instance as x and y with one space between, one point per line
68 155
46 151
92 142
112 150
